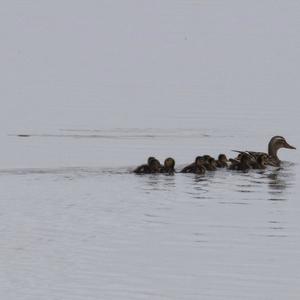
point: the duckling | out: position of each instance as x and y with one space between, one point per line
191 167
261 162
196 167
150 158
142 169
199 168
155 165
210 164
243 165
277 142
222 161
206 157
169 165
152 166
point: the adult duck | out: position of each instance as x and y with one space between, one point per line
277 142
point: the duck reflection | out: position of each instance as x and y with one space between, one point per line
200 187
198 179
279 180
163 182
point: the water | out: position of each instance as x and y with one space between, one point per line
84 232
180 79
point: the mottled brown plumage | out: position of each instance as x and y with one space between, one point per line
222 161
197 167
169 166
152 166
276 143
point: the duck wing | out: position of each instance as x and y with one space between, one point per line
255 155
252 154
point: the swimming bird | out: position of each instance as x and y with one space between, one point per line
210 164
197 167
169 165
277 142
153 166
222 161
244 164
191 167
261 162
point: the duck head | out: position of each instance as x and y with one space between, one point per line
154 165
277 142
150 158
199 161
206 157
262 161
169 164
211 164
222 161
223 158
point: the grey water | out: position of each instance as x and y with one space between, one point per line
88 91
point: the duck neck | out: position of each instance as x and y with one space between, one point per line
272 151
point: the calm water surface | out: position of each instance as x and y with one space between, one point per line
98 232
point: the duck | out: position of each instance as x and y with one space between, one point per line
169 166
210 164
222 161
142 169
276 142
197 167
191 167
153 166
261 162
244 164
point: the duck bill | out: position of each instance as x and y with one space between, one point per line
288 146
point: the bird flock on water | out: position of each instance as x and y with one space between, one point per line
244 161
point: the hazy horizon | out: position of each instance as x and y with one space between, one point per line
112 64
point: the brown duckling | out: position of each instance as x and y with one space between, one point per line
196 167
277 142
150 158
261 162
210 164
169 166
190 168
155 165
152 166
206 157
142 169
222 161
243 164
199 168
